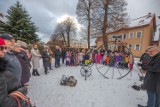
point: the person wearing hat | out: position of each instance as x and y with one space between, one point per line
3 48
8 82
13 64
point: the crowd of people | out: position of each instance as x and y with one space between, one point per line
14 72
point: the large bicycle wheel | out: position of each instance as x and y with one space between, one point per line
116 70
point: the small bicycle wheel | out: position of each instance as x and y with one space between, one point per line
86 71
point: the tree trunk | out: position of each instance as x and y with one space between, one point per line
104 39
89 23
64 40
68 39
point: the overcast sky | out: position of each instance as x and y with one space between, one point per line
45 13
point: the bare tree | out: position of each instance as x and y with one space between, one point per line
110 15
66 30
84 14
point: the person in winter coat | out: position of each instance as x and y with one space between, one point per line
24 64
68 55
98 58
152 77
107 59
46 59
117 58
50 58
72 58
112 60
144 59
35 60
63 55
13 64
127 60
9 83
131 62
122 61
57 56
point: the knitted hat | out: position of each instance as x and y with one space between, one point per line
2 42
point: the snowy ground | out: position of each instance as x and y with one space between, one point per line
96 91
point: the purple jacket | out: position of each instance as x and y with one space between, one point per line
117 58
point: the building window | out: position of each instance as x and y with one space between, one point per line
137 47
110 38
139 34
110 47
131 35
121 36
124 36
130 47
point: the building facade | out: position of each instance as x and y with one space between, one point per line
137 37
78 44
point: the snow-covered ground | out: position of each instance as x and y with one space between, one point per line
96 91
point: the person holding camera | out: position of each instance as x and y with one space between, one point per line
152 77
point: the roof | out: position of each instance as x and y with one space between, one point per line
144 20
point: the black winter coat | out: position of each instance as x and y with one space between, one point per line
25 67
8 84
57 54
152 78
46 58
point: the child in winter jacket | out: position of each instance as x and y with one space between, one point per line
68 58
107 60
131 62
127 60
98 58
86 59
122 61
112 60
72 58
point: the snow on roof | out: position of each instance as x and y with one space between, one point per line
157 34
144 20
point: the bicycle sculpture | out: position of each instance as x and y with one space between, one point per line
110 70
115 70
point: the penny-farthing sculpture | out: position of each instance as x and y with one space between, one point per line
115 71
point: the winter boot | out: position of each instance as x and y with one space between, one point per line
34 72
141 105
37 73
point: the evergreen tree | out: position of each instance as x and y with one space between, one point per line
19 24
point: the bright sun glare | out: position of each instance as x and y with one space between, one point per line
64 17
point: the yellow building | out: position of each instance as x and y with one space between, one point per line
78 44
137 37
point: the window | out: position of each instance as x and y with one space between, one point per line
139 34
110 38
137 47
121 37
131 35
130 47
110 47
124 36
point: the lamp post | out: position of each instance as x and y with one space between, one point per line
116 37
